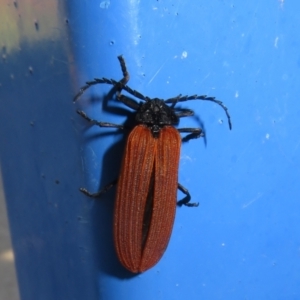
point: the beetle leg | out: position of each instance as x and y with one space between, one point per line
195 133
128 102
103 191
121 85
186 200
100 124
135 93
184 113
126 77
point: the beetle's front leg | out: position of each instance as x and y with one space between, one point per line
100 124
194 133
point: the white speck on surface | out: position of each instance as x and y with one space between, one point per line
276 42
184 54
104 4
223 244
267 136
236 94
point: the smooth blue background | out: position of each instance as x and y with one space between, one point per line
243 241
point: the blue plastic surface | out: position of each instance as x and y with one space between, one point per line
243 241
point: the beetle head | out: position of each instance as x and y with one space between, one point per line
156 114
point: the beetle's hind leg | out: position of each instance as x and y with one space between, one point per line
103 191
186 200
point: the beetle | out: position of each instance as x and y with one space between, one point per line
147 185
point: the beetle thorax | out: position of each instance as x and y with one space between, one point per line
156 114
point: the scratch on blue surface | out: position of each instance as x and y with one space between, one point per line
204 78
157 72
259 195
61 61
295 149
240 155
175 15
82 164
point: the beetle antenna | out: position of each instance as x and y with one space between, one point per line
174 100
205 98
117 84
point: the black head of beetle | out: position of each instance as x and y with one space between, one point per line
156 114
